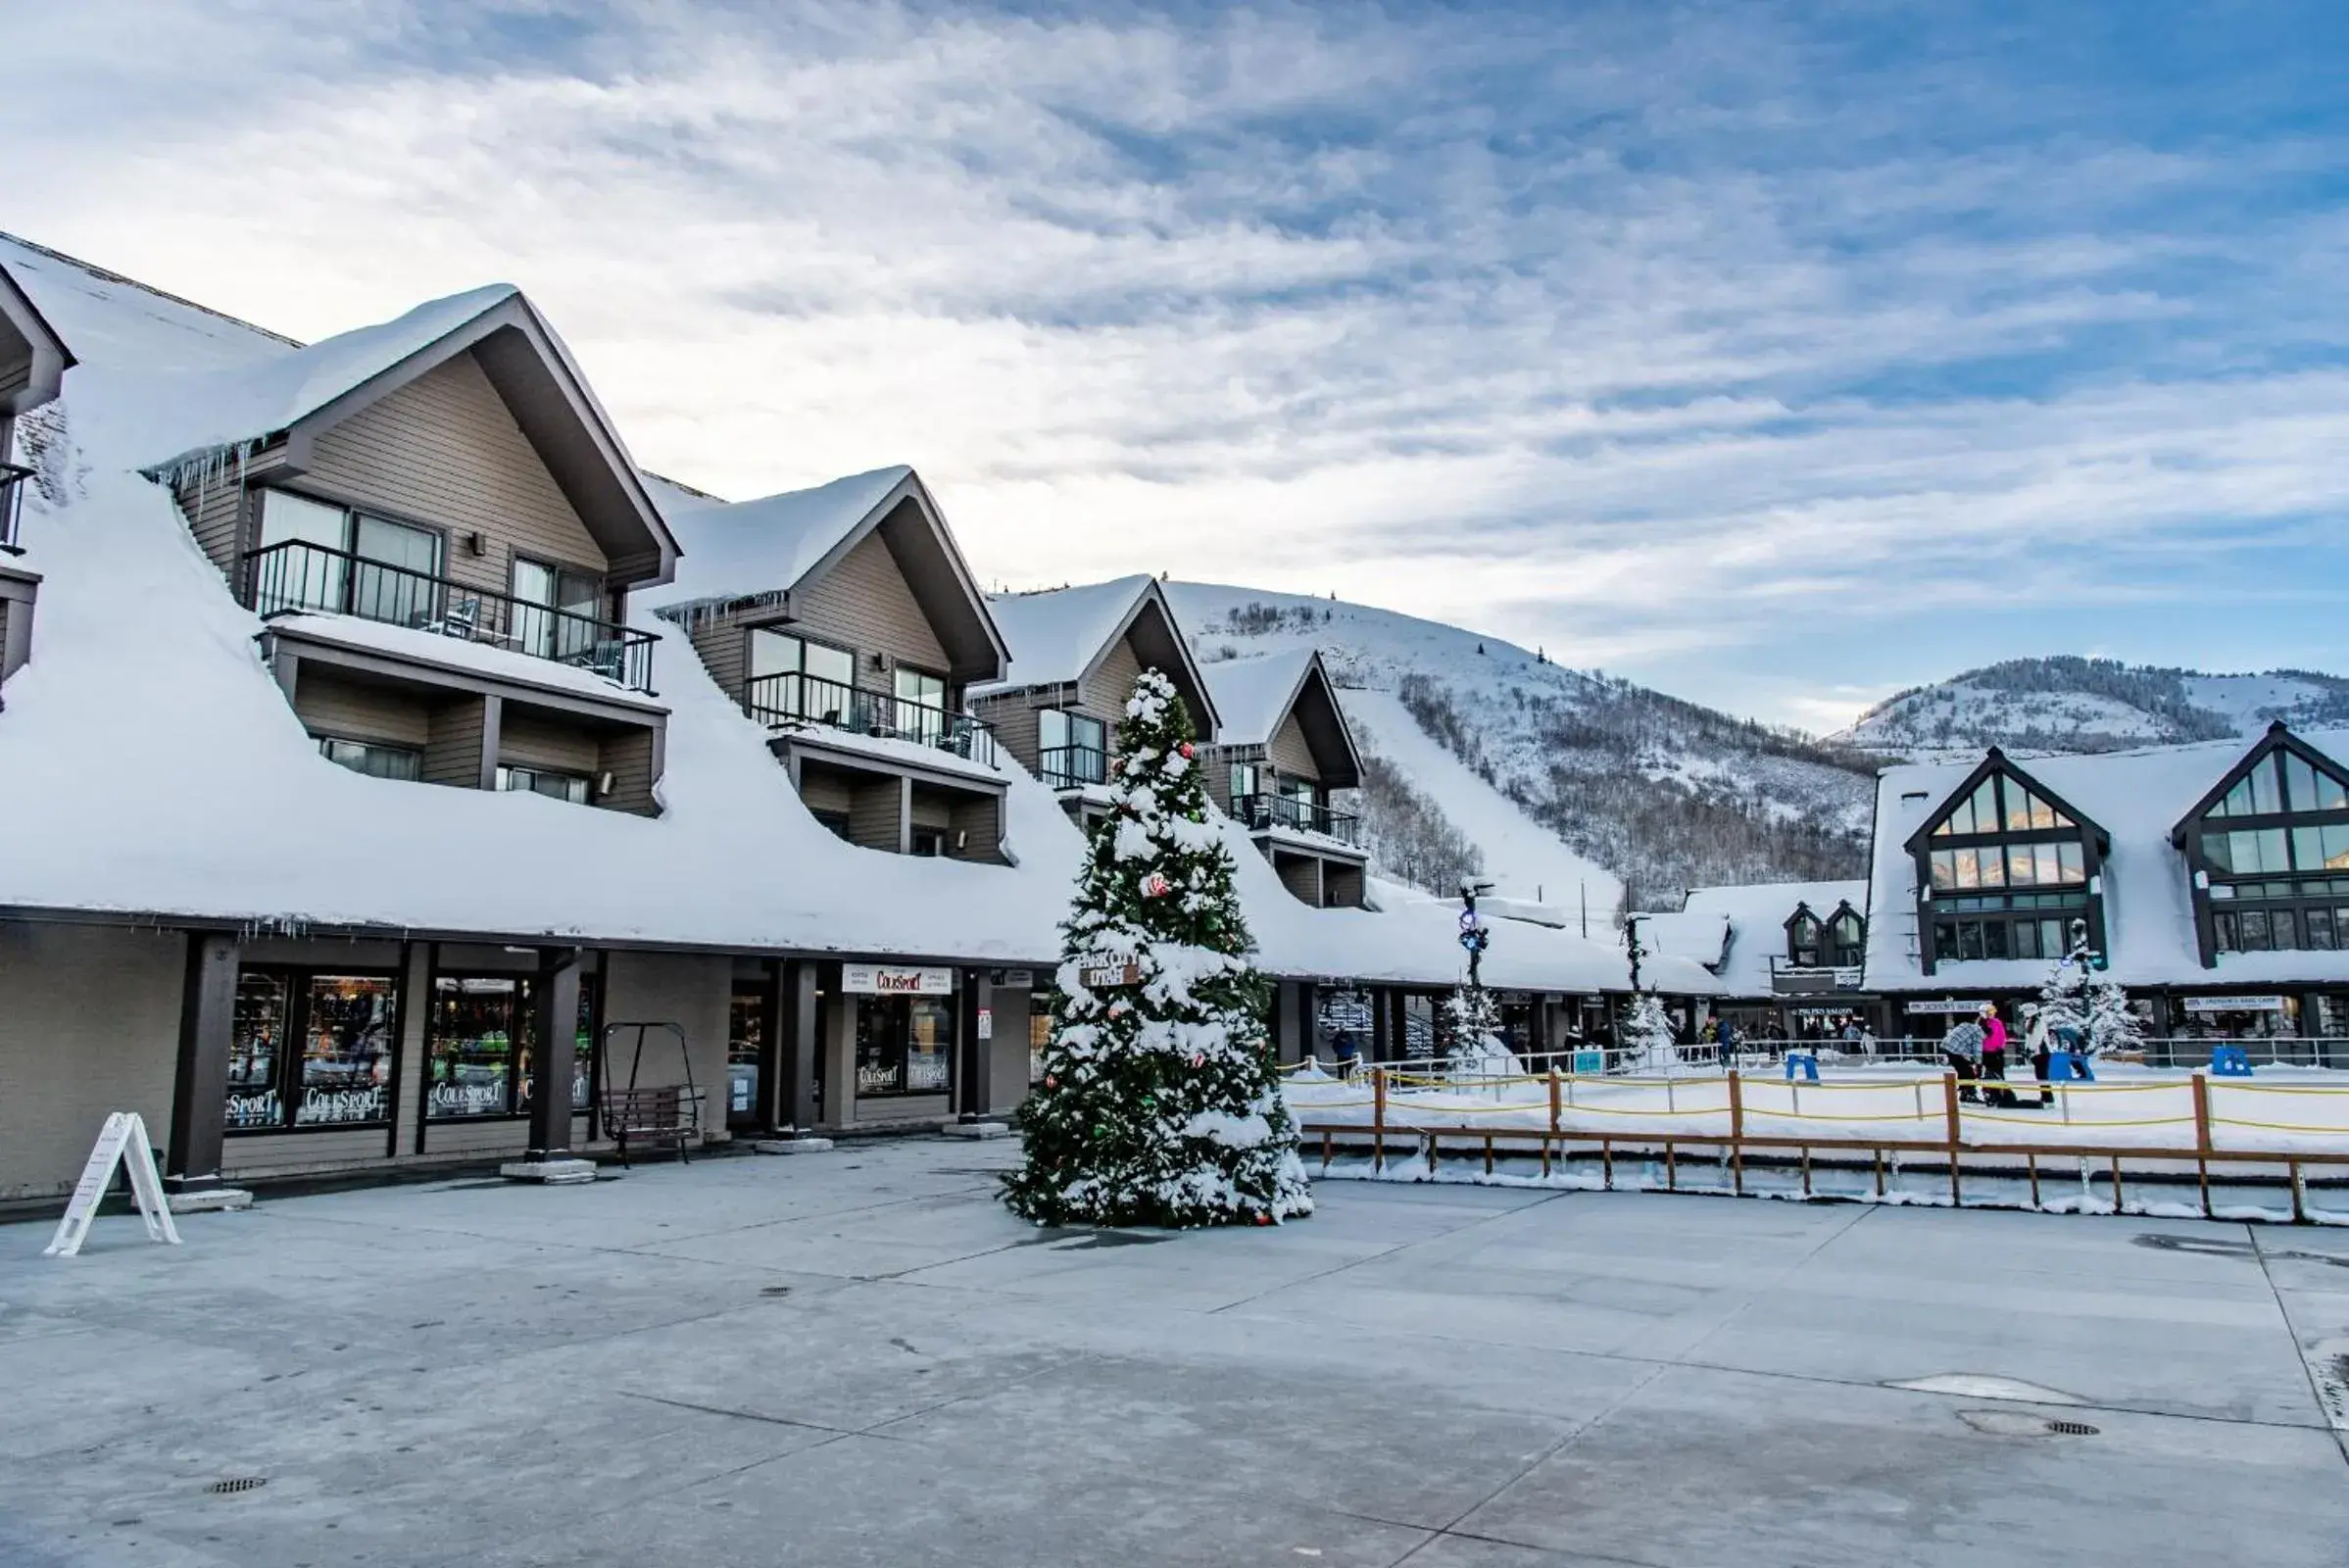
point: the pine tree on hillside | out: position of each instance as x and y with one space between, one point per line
1159 1105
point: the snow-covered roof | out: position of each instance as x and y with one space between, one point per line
1757 915
1254 695
764 548
507 664
50 355
2136 797
224 406
1056 634
142 651
1699 935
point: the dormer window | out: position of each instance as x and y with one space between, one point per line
1802 941
2002 872
1847 938
2272 853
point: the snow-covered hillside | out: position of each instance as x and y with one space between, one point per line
2068 704
1583 776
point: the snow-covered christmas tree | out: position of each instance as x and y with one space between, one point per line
1647 1036
2064 999
1472 1045
2112 1025
1159 1105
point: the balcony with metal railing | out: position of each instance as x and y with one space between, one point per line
13 485
1262 813
795 698
1827 971
1073 768
301 576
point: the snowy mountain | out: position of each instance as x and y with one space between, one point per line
1561 785
2069 703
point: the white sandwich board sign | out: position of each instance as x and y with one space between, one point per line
123 1140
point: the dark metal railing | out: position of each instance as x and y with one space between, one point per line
298 575
1263 812
801 699
12 499
1068 767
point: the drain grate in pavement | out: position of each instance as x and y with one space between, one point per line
2023 1424
237 1484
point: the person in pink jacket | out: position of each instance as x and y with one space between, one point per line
1993 1056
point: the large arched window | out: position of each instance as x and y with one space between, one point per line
2269 850
2003 870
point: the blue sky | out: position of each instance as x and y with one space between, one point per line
1778 356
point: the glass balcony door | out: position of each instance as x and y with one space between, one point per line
558 614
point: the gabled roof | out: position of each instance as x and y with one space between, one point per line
2278 736
1061 636
2148 887
299 394
1757 916
1995 760
21 318
751 552
1256 696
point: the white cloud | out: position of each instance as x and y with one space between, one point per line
1632 339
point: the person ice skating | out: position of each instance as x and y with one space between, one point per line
1993 1057
1959 1048
1729 1041
2034 1041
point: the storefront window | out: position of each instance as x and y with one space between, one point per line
480 1028
745 1044
929 1044
256 1046
905 1045
310 1050
347 1038
583 1053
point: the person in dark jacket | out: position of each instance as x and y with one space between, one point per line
1961 1047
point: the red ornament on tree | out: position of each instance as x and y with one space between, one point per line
1184 748
1154 886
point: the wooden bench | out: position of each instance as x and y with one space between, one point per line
667 1115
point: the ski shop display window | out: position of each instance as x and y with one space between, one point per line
904 1046
312 1048
480 1056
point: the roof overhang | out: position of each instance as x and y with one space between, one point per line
918 539
2278 736
1315 704
558 415
25 335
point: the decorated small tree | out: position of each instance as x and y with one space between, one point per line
1158 1103
1646 1035
2064 1000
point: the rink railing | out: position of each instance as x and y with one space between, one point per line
1428 1111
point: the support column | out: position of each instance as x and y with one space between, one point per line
840 1053
554 1027
1381 1024
200 1082
493 721
1399 1026
774 1004
796 1068
974 1077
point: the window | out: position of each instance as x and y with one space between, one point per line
1247 779
478 1046
545 781
2310 788
792 677
310 1050
905 1045
1074 748
746 1045
374 758
1847 940
929 842
1802 940
921 714
305 561
560 614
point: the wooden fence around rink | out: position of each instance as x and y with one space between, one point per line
1949 1141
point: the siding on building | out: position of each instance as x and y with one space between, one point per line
877 813
630 757
216 505
1341 885
453 746
866 604
1014 719
1105 692
527 739
1300 875
348 710
826 790
980 823
1289 751
91 1025
445 449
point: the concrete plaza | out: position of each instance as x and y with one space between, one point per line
858 1357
